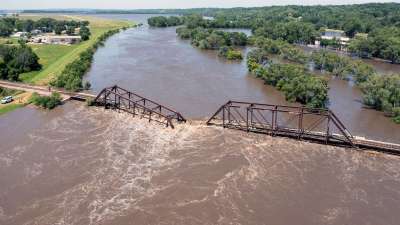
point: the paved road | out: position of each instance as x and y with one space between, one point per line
42 90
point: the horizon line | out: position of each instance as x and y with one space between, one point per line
210 7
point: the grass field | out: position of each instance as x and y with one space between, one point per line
8 40
54 58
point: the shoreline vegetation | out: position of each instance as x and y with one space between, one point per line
295 78
46 102
62 66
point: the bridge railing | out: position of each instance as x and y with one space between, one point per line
299 122
122 99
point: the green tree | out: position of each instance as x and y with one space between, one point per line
84 32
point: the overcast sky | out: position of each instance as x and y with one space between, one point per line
148 4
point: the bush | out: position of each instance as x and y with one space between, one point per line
84 32
230 53
383 93
47 102
234 55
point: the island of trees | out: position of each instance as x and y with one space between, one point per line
373 29
162 21
206 38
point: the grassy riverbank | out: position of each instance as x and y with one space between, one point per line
54 58
20 99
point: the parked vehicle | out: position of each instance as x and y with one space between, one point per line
7 99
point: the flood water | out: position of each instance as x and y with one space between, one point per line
87 166
156 63
78 165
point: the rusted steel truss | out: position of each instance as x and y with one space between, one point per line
320 125
121 99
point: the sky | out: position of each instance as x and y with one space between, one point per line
150 4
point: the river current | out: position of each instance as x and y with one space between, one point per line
81 165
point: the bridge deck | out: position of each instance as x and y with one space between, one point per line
319 125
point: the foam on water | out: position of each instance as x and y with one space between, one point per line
91 166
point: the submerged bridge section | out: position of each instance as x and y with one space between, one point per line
319 125
119 98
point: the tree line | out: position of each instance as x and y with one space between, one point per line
303 24
381 43
17 59
9 24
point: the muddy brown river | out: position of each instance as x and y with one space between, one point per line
77 165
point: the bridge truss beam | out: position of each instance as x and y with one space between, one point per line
119 98
319 125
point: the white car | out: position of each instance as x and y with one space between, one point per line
6 100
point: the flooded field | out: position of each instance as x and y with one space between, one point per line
79 165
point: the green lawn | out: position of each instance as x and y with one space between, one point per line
49 55
6 40
54 58
9 108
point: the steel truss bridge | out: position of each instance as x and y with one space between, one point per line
312 124
319 125
121 99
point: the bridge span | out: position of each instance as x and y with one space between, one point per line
318 125
121 99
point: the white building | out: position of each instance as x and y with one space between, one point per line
61 40
342 40
19 34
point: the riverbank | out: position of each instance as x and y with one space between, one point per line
54 58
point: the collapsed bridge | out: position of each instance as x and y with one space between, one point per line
119 98
312 124
319 125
